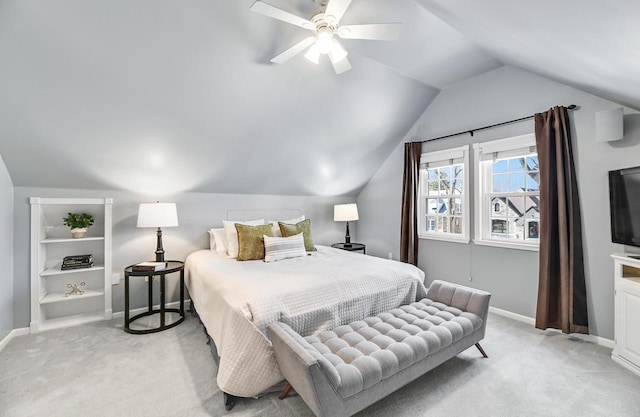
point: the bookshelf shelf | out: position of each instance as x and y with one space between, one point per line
51 241
57 271
60 297
71 319
69 240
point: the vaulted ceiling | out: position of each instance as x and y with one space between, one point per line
163 96
591 45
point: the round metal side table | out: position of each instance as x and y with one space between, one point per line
172 267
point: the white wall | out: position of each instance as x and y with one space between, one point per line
510 275
6 251
197 212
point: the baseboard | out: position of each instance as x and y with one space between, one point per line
120 314
174 304
601 341
515 316
626 363
13 333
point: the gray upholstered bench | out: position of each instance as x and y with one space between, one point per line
340 372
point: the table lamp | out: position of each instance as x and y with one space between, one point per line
158 215
345 213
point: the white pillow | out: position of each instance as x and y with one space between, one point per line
220 240
279 248
232 234
275 229
212 240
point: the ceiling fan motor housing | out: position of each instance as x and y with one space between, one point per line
322 24
318 17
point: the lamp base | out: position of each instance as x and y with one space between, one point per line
347 238
159 249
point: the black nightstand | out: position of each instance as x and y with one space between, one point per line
172 266
353 248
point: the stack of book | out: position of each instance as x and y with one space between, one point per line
77 262
149 266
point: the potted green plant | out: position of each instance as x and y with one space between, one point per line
78 223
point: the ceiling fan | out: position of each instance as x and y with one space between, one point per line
324 22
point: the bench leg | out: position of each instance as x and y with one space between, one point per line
229 401
285 392
481 350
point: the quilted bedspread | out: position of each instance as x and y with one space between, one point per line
237 300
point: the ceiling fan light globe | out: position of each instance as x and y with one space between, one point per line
337 52
313 54
324 42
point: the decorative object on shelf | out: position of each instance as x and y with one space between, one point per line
158 215
149 266
346 213
75 289
77 262
78 223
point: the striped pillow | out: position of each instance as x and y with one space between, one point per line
279 248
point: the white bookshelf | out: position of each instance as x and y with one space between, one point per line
51 241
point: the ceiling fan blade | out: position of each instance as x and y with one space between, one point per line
293 51
272 11
341 66
374 31
336 9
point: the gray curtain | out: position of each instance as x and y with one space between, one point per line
409 222
562 295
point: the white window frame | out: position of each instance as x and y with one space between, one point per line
442 158
514 146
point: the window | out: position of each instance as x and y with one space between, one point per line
508 193
443 205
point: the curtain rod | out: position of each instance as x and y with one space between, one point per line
570 107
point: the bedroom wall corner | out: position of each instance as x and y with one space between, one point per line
6 251
379 206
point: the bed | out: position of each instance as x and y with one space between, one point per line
236 301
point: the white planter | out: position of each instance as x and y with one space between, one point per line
78 233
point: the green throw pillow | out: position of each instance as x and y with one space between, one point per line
251 242
303 227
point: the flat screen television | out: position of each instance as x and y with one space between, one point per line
624 198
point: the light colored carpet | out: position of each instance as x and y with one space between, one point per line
98 370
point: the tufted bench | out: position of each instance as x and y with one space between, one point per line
340 372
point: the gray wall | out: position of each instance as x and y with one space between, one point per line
197 212
6 251
511 275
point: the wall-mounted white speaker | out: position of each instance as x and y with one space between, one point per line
609 125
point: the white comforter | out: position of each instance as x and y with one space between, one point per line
237 300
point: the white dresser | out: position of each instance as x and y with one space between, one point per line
626 350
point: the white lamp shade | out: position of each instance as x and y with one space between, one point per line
157 215
345 212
